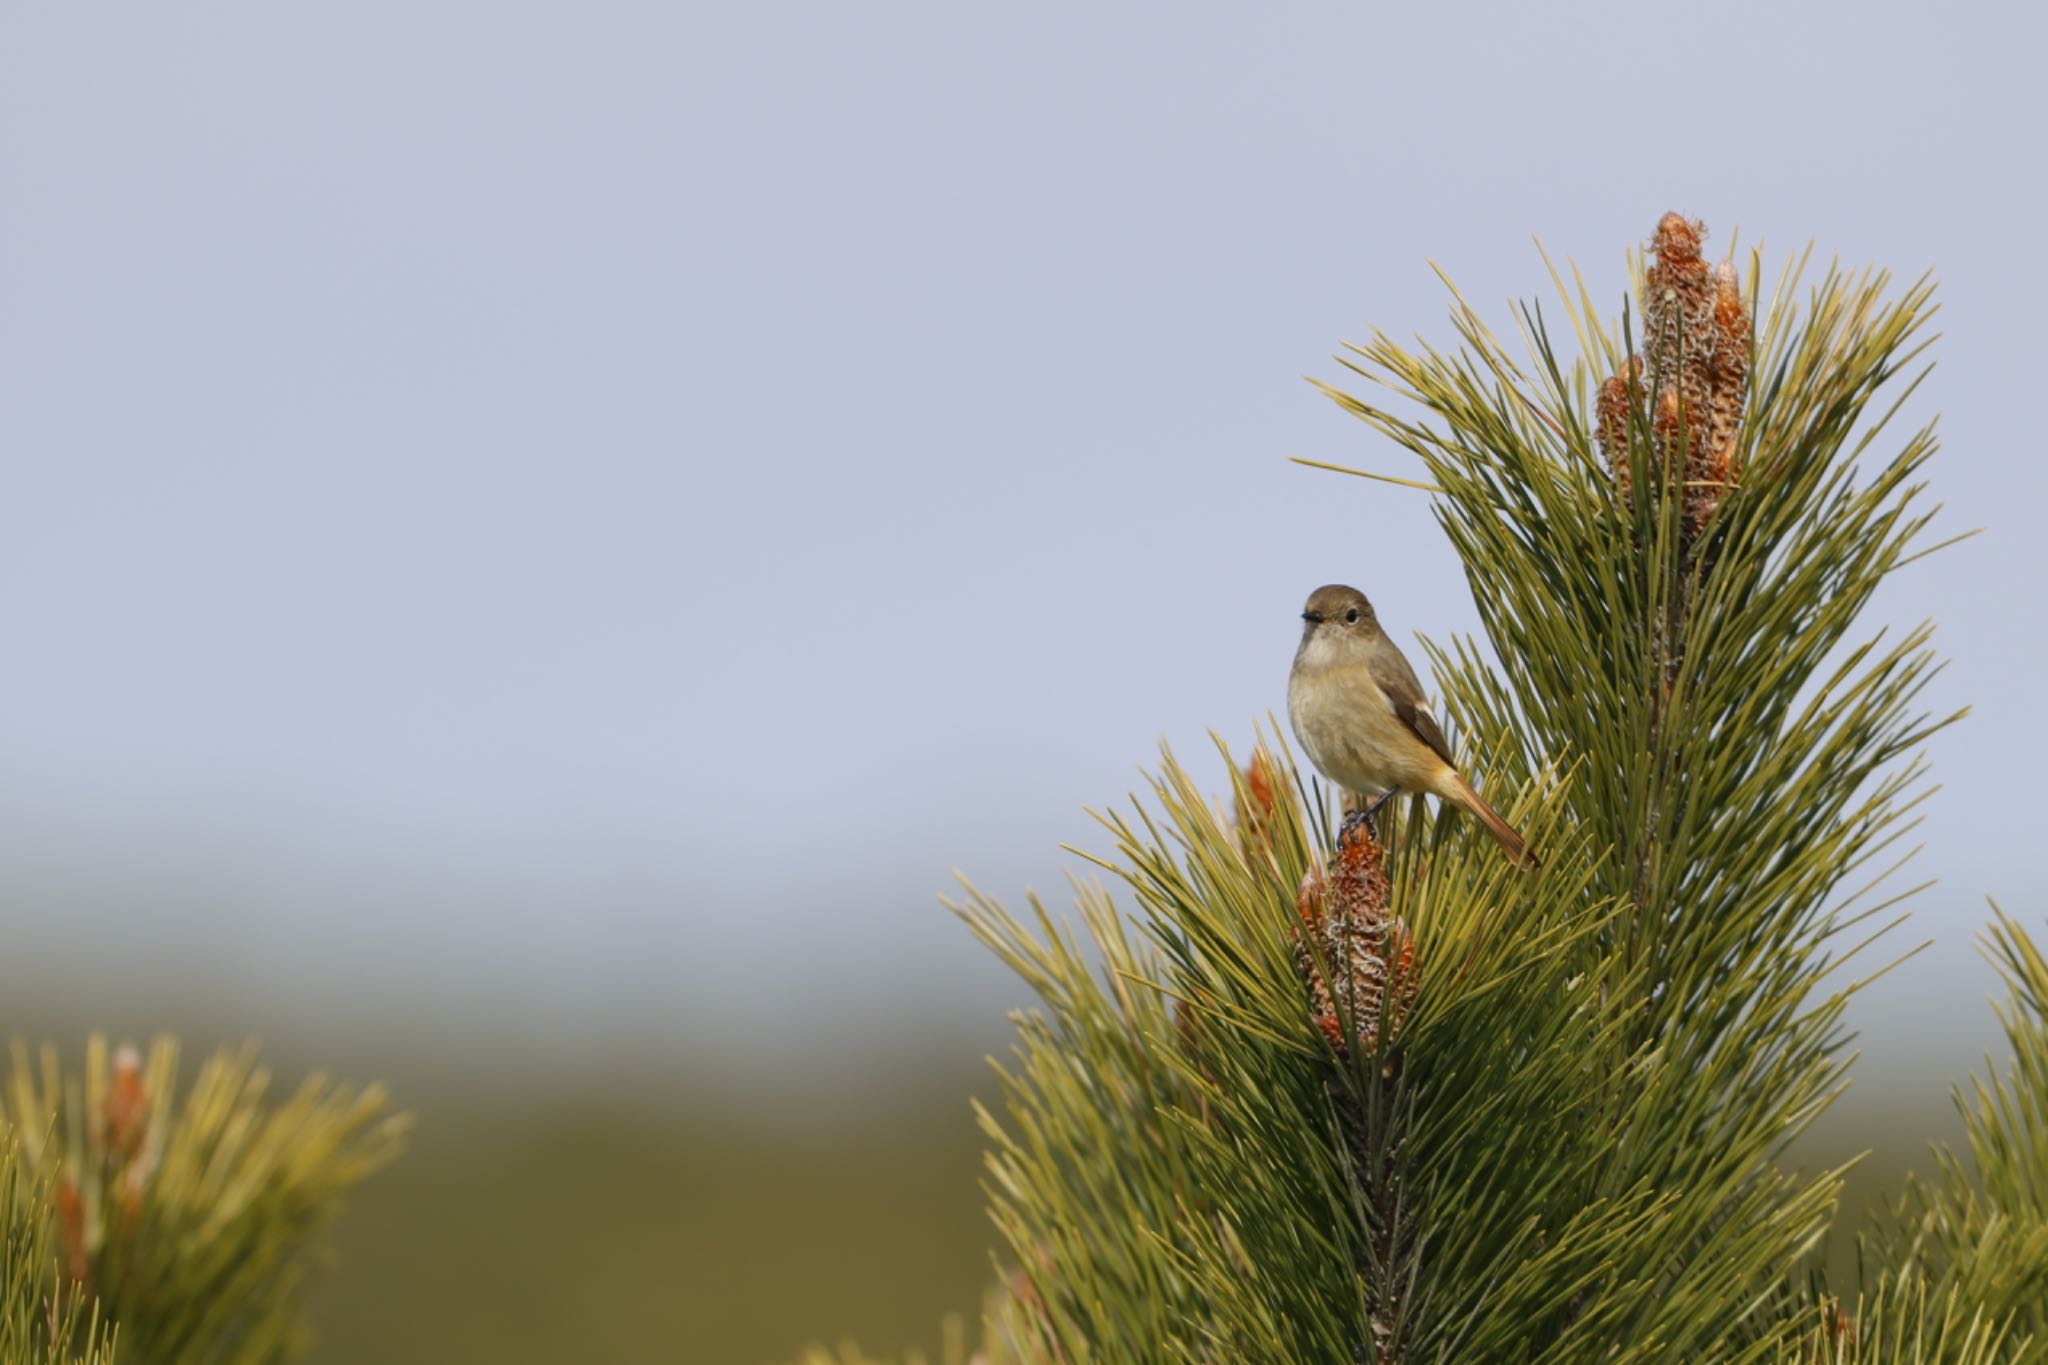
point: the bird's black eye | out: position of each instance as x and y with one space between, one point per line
1352 616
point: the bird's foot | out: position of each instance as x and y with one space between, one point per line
1370 815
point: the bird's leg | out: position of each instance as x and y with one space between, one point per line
1372 811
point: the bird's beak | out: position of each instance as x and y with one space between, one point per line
1312 617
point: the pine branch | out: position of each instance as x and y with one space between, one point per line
1214 1148
1976 1232
195 1226
1668 579
1904 1322
43 1319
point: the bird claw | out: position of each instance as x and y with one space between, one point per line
1370 815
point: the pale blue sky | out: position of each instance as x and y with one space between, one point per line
603 506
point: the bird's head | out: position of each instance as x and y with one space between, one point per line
1338 612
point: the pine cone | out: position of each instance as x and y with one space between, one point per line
1695 362
1356 960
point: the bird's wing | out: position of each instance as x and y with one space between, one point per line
1398 681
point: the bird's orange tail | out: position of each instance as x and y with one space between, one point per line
1503 833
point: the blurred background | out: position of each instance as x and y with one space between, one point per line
534 539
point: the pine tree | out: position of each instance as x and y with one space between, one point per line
1338 1092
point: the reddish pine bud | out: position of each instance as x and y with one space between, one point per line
71 1227
127 1105
1258 804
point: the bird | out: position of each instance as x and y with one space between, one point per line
1361 715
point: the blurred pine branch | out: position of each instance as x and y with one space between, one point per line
194 1226
1976 1232
44 1319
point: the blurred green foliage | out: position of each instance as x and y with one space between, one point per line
700 1226
192 1218
710 1227
1978 1228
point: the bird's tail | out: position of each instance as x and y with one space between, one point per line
1503 833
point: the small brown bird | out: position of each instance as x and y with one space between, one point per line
1359 712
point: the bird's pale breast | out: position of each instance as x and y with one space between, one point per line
1352 735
